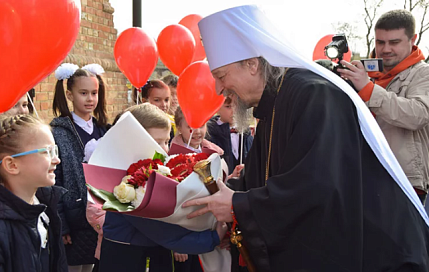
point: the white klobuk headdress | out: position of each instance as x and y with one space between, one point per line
246 32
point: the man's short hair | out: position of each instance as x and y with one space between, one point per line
397 19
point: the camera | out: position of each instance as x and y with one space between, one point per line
337 48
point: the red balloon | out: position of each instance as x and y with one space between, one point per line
319 49
136 55
35 37
197 94
176 47
191 22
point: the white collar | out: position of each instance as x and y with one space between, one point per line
41 228
196 150
88 126
219 122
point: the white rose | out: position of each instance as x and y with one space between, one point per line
125 193
164 170
140 192
125 179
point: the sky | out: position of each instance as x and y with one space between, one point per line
302 22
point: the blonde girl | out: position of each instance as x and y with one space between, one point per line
30 226
197 136
157 93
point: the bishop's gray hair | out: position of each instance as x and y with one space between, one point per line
271 74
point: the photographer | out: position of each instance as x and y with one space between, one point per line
398 96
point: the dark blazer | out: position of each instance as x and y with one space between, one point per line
69 174
20 245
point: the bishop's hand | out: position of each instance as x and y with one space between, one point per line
219 204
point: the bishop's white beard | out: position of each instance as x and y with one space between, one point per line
243 114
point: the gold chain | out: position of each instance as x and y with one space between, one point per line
267 167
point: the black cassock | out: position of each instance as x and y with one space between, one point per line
328 205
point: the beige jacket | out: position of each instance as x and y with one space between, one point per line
402 111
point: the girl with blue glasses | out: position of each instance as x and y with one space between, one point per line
30 226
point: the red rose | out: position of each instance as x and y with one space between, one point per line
155 163
200 156
180 159
140 177
181 166
147 163
179 179
182 170
141 163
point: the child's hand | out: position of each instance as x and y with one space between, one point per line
67 239
221 229
237 170
180 257
225 244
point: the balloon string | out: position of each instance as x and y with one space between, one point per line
241 151
137 95
32 104
190 137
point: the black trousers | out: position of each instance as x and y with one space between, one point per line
121 257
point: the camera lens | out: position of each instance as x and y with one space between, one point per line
332 52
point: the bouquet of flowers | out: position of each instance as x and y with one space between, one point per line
147 184
130 192
158 184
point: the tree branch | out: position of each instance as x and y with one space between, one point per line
370 12
423 27
413 6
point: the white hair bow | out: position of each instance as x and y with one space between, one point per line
65 71
94 68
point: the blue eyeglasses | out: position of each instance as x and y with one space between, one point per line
52 151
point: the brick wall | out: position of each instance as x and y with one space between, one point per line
94 44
